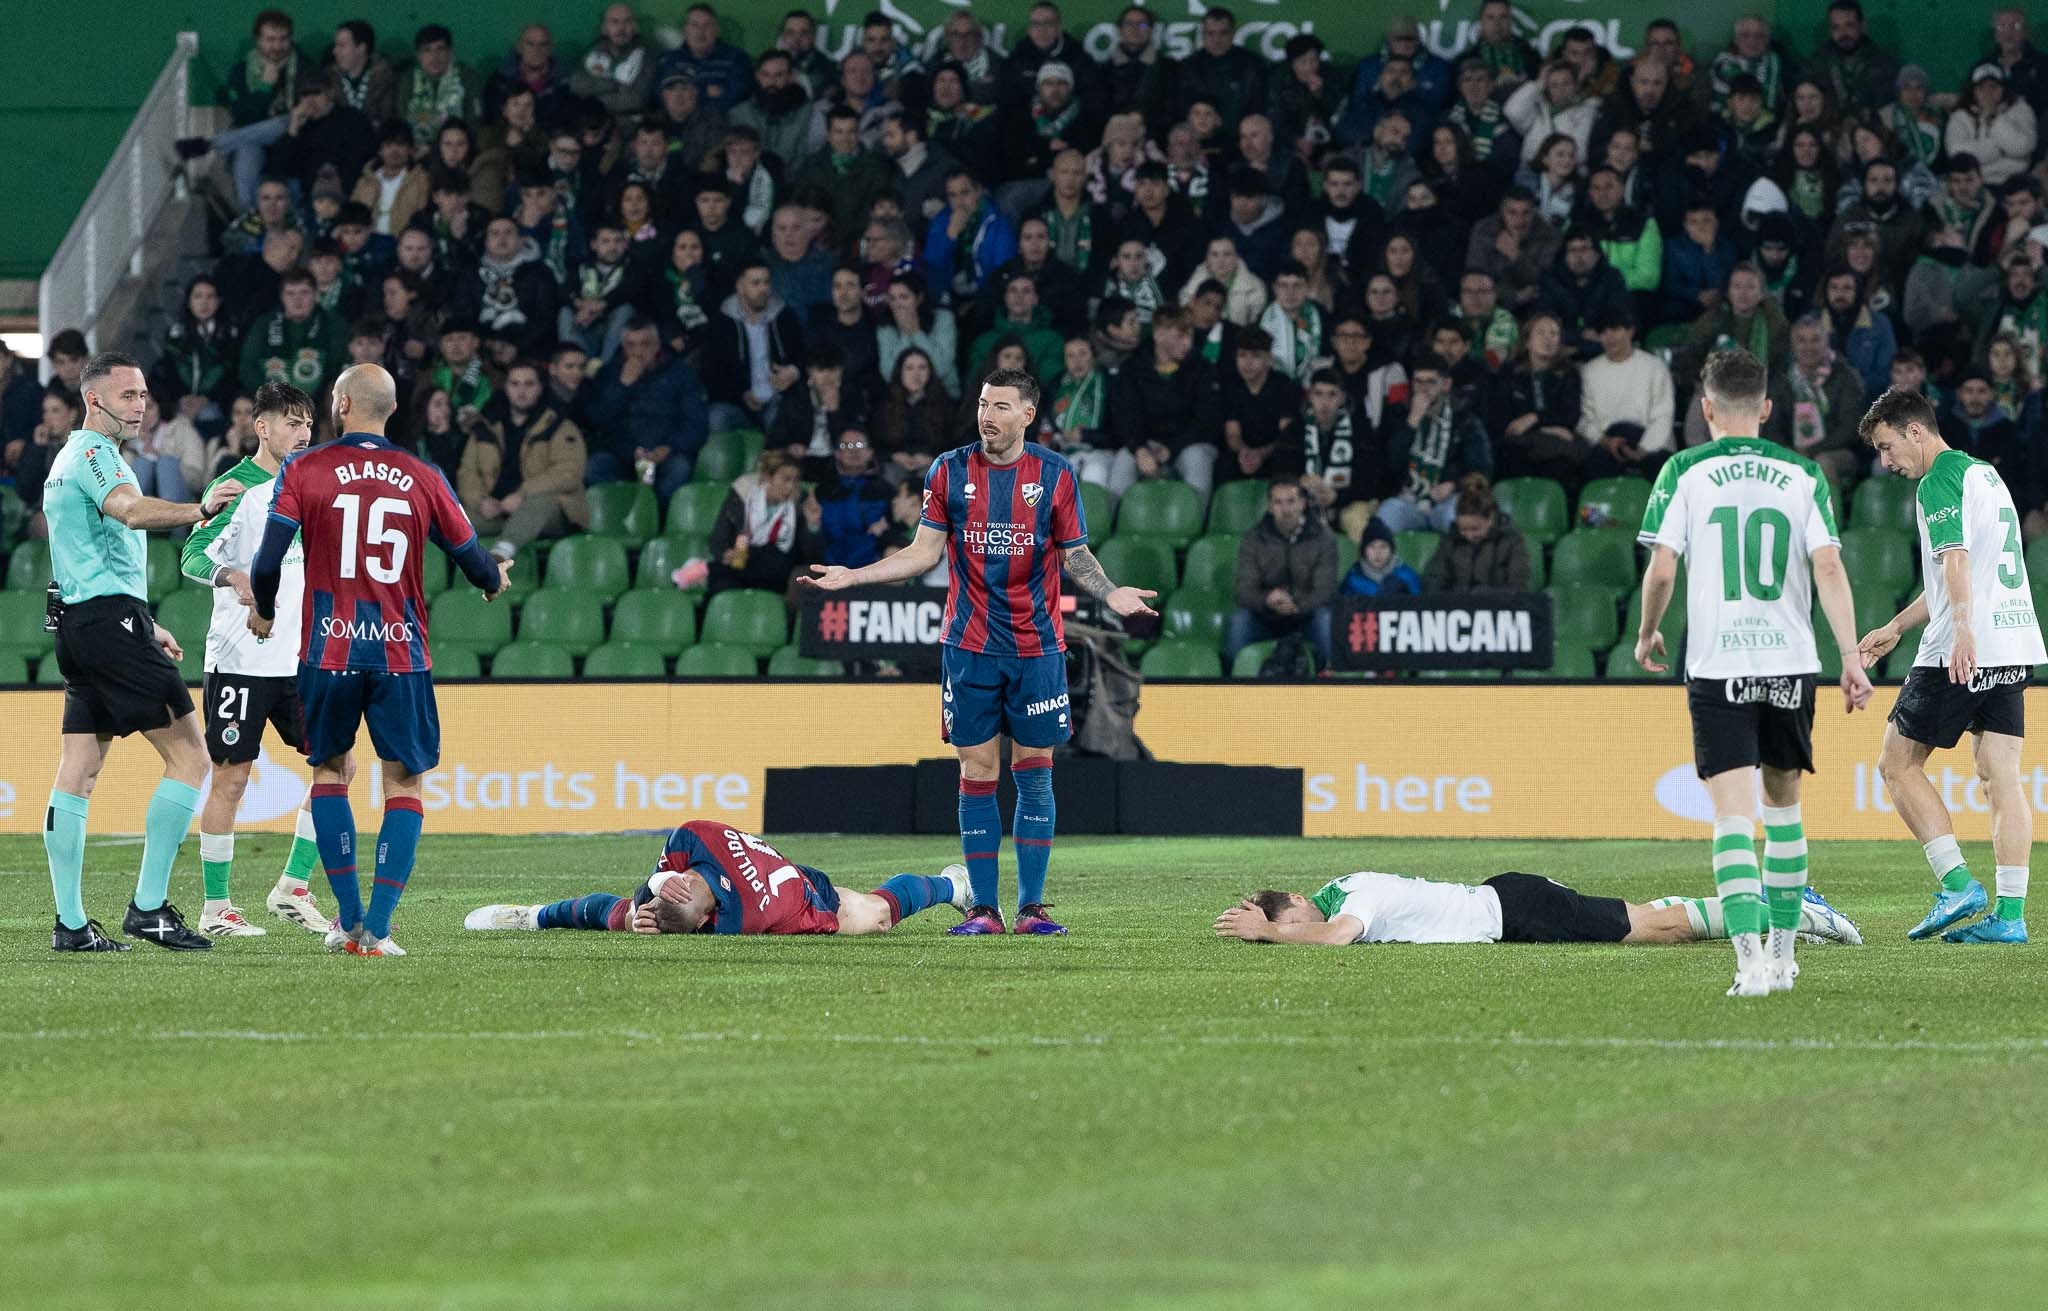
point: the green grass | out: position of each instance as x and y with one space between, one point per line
1137 1115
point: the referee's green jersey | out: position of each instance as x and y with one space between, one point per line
91 554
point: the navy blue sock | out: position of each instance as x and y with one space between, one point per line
981 836
397 843
907 894
589 912
1032 826
334 832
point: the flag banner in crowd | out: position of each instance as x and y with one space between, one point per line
1478 630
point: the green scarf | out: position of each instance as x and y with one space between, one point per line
1053 126
1505 57
1073 239
432 102
1429 453
1809 193
1921 138
1144 293
472 388
688 312
1810 406
1756 340
1482 125
283 91
1078 405
1379 176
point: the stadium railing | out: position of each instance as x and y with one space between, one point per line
105 242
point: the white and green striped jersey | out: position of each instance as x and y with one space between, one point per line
230 538
1964 506
1746 516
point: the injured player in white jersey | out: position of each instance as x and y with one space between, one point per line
1374 907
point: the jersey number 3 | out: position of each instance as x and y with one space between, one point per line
356 541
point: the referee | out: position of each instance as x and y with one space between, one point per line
119 675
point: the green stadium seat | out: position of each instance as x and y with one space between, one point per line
13 668
1603 559
1663 340
791 662
1161 508
753 621
1673 625
1616 502
1874 605
625 511
625 660
560 616
456 662
1097 508
1212 563
693 509
1417 547
1879 560
1248 660
1899 662
1537 506
528 659
164 576
1347 555
47 673
588 563
1175 658
28 568
1459 675
1237 505
1140 562
1539 568
1583 615
13 513
727 455
1567 660
1196 615
662 621
1886 502
660 558
2037 559
21 623
1622 666
462 618
717 660
188 615
437 573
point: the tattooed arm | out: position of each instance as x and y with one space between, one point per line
1088 576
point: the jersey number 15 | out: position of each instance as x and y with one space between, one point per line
356 541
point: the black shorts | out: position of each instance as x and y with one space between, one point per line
237 707
117 680
1536 909
1935 712
1740 723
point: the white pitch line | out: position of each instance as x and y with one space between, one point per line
1994 1046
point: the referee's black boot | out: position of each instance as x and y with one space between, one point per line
90 938
165 927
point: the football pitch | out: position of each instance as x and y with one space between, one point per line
1136 1115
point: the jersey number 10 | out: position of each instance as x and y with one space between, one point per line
1742 553
385 568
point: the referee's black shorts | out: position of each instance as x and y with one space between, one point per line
117 680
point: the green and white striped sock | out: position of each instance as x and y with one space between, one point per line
1735 875
1784 865
1703 913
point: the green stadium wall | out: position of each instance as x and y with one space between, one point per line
71 79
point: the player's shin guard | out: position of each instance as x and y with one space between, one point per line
216 863
981 836
334 823
1735 875
907 894
397 843
1784 865
1031 828
164 826
64 844
599 910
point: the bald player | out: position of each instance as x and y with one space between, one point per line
365 510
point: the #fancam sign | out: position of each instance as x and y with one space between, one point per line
1506 630
874 623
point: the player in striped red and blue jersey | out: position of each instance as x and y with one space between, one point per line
366 511
1006 514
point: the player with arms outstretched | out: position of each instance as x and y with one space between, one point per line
251 682
714 878
1976 657
367 511
1747 514
1005 513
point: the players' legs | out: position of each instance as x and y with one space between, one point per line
1784 865
1032 825
398 843
2012 817
1657 924
80 759
334 832
217 828
601 911
981 821
898 899
169 817
1903 764
1736 876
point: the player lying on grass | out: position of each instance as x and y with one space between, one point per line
713 878
1373 907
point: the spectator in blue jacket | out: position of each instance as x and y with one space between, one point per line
1862 336
1395 91
725 76
1697 262
966 242
1380 570
650 414
1433 76
799 273
855 500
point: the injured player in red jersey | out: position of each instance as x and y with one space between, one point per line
714 878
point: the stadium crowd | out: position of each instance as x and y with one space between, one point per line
1333 301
